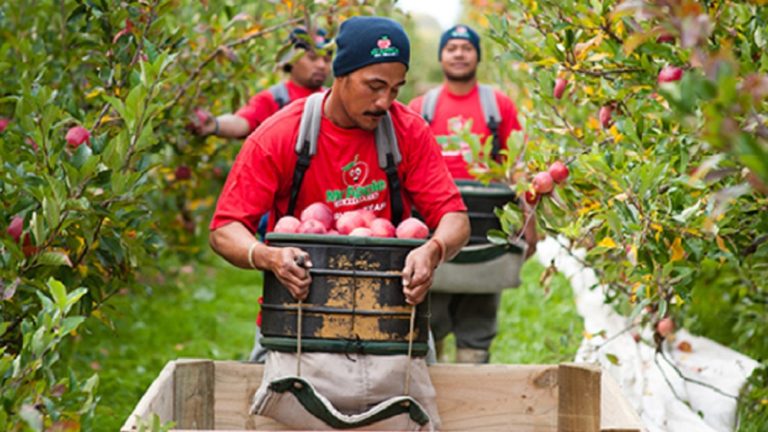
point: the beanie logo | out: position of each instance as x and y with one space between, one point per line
384 48
460 32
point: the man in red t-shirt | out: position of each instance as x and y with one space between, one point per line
471 317
307 73
370 68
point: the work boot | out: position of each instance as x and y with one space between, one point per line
469 355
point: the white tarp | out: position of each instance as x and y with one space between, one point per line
641 373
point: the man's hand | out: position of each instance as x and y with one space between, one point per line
291 266
419 269
201 122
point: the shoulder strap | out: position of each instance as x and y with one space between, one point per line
306 144
429 103
492 116
280 94
389 158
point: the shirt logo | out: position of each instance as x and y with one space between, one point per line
355 172
384 48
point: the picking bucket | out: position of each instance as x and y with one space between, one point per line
355 302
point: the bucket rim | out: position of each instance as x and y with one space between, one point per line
343 240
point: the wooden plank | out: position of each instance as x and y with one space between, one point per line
496 397
158 399
578 398
235 385
616 414
488 397
193 395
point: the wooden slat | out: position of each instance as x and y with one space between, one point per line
236 383
496 397
193 397
578 398
158 400
616 414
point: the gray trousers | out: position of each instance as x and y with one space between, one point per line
471 318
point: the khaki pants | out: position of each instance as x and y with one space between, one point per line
353 384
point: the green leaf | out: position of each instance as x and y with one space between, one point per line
58 292
613 359
70 323
54 259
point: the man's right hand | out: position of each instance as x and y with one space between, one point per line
202 122
291 267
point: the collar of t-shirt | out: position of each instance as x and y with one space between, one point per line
297 91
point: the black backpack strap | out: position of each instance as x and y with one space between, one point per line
429 103
306 144
280 94
492 116
389 157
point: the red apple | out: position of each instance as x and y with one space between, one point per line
560 85
77 135
368 216
665 327
542 183
670 74
605 116
412 228
665 38
531 197
287 225
4 123
381 227
202 116
333 232
30 142
15 228
183 173
311 226
349 221
319 212
361 232
558 171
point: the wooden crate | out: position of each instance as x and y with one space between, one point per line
216 396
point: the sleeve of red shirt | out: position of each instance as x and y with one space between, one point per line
258 109
509 120
415 104
424 174
251 185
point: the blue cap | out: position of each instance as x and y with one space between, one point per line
459 32
300 39
364 41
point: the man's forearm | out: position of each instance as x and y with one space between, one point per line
234 242
232 126
453 231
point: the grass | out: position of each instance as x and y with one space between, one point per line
209 313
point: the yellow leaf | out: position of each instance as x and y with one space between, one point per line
94 93
107 118
678 253
634 41
597 57
721 244
607 243
593 123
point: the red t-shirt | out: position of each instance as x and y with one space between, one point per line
344 173
261 106
452 111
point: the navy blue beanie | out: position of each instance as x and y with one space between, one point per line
300 39
459 32
363 41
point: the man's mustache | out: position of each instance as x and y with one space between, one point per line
378 113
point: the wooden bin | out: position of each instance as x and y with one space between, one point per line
216 396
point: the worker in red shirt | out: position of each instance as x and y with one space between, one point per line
471 317
372 57
307 73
